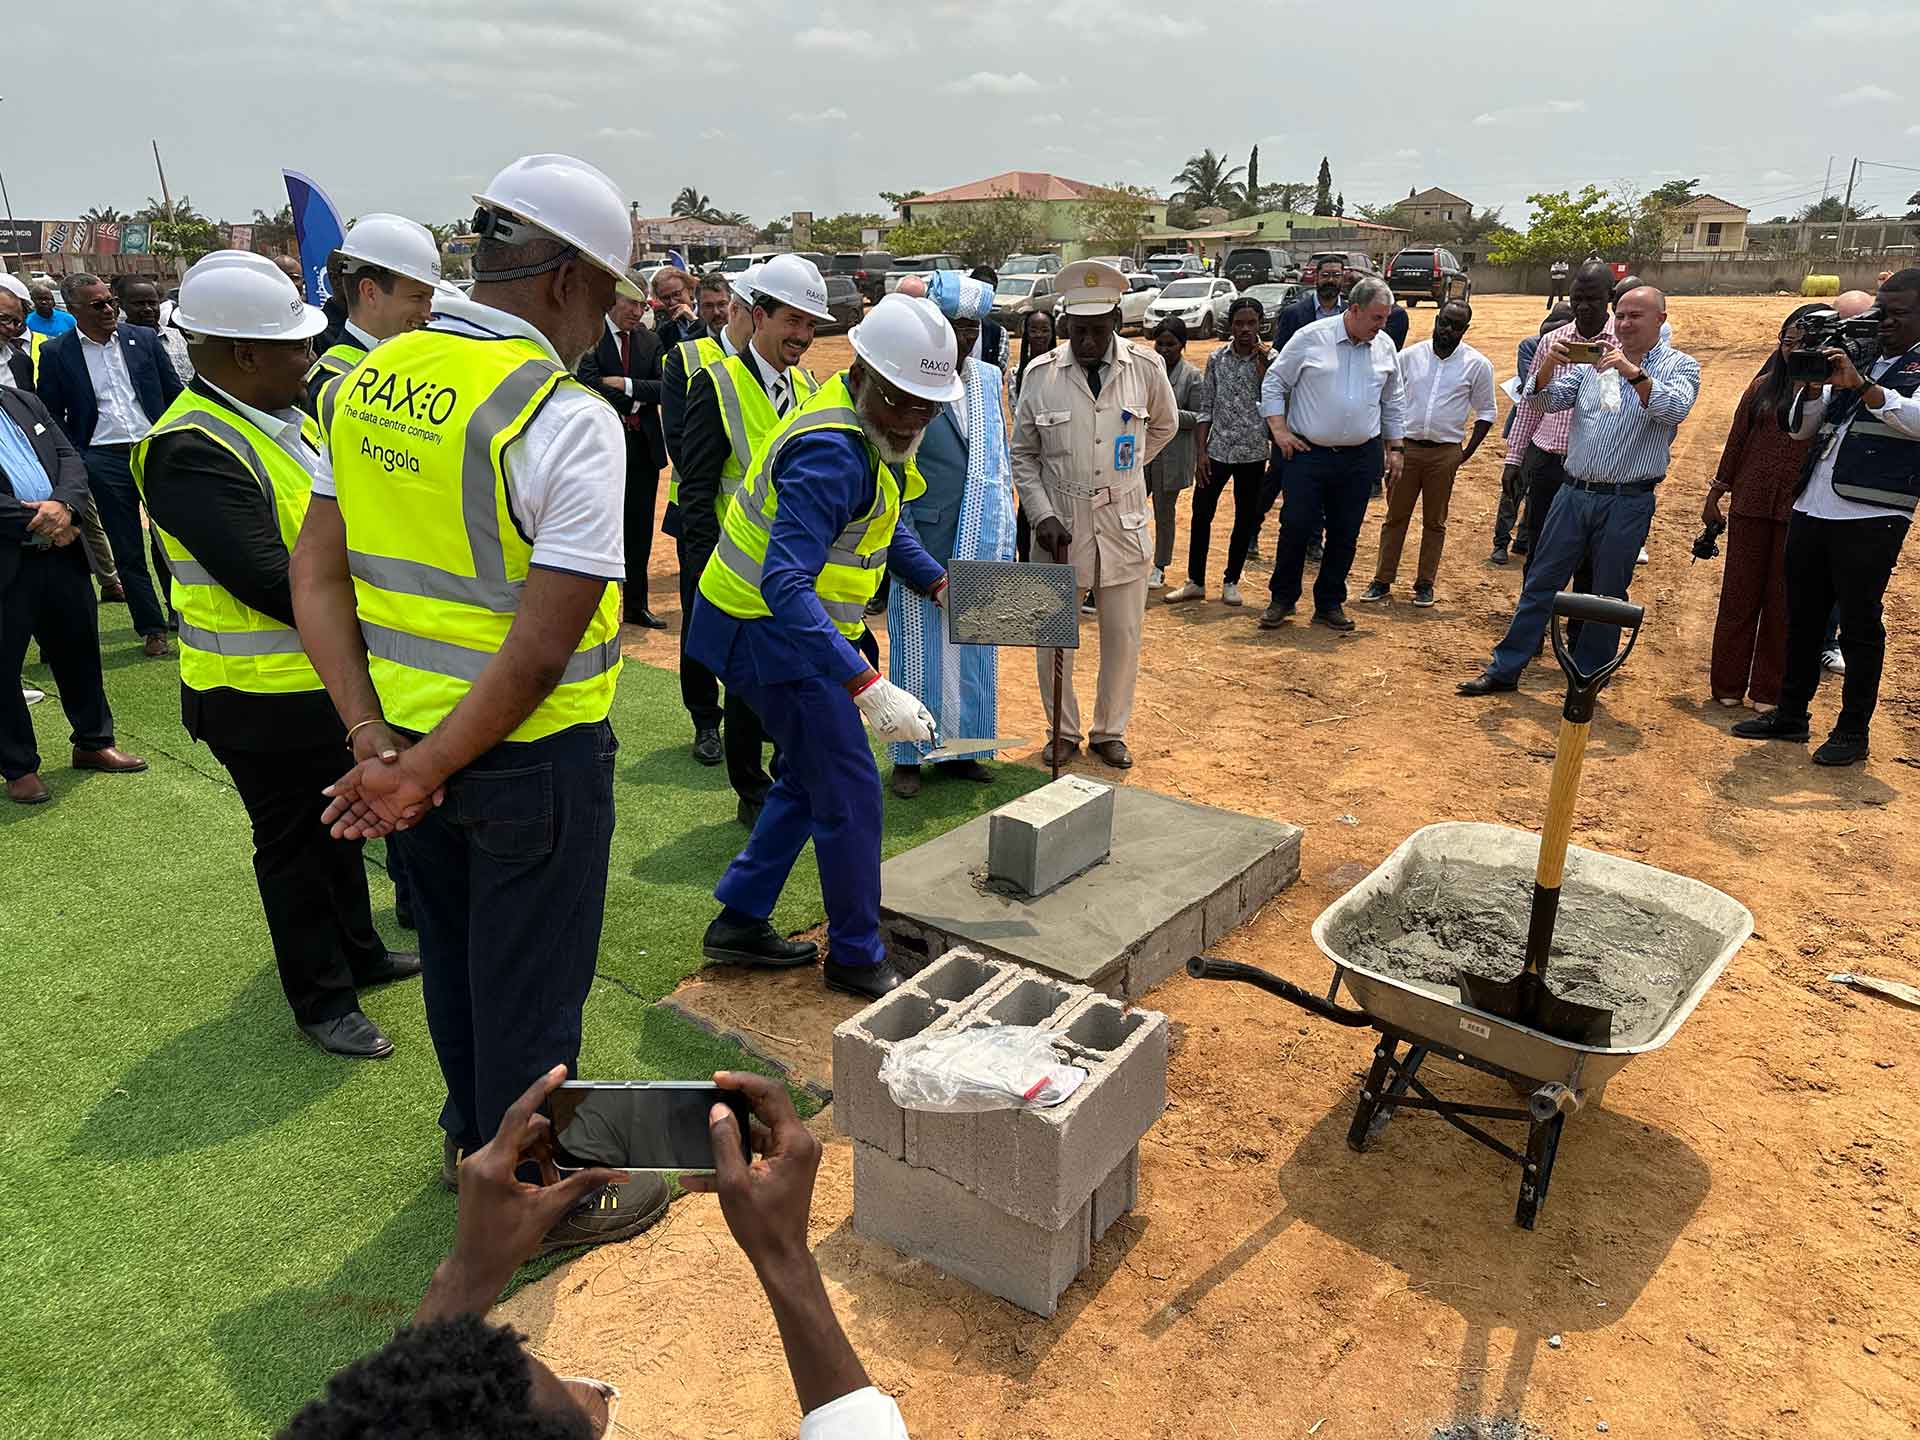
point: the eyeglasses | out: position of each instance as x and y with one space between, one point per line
105 305
11 322
905 404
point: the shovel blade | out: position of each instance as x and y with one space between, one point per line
1526 999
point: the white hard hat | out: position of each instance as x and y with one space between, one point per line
794 280
570 200
743 283
394 243
907 342
237 295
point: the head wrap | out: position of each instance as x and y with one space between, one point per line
960 297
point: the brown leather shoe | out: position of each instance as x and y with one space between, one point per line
28 790
1067 748
156 647
113 593
1114 752
110 759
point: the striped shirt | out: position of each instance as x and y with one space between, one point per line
1532 424
1632 441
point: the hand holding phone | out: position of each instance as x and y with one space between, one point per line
1584 352
765 1202
640 1124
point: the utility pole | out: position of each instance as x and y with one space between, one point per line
1846 208
166 199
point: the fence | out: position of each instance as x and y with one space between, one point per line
1748 275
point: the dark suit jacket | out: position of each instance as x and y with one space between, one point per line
1396 326
993 343
64 468
1303 311
21 363
604 361
67 388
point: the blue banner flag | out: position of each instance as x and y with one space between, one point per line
317 230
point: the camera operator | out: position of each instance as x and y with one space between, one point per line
1854 508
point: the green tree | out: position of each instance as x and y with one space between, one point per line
1392 213
273 234
180 211
690 204
987 232
1206 182
896 198
1252 187
1565 227
842 232
1340 203
185 239
1913 206
1115 217
1831 210
105 215
1287 195
1323 189
922 237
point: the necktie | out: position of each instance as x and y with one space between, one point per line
780 395
626 351
1093 378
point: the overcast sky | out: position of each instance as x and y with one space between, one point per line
409 105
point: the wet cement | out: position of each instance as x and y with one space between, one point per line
1609 949
1017 609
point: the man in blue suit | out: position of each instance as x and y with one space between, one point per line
106 383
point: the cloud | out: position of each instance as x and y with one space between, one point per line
1529 112
621 132
834 39
1864 95
1046 121
542 100
992 82
823 117
712 135
1165 27
1781 177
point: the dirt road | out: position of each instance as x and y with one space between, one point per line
1731 1247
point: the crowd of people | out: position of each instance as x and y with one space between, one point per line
396 574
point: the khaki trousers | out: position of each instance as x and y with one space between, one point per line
1426 477
1122 608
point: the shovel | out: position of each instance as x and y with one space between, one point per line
1526 997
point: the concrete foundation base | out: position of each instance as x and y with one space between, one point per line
1179 877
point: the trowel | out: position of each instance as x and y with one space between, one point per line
947 749
1526 997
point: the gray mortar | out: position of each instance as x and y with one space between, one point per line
1609 950
1491 1427
1017 608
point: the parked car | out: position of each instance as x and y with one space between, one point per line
846 302
1434 274
1250 265
919 265
1357 262
1017 296
1142 290
1192 299
1125 264
1171 267
867 267
1042 264
1273 298
734 264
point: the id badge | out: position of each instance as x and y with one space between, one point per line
1122 453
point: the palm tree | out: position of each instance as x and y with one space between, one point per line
105 215
690 204
273 233
726 217
180 212
1206 182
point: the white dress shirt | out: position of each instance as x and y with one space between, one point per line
122 421
1442 394
1819 499
6 364
859 1415
359 337
284 428
1333 390
778 383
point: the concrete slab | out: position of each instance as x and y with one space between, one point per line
1179 876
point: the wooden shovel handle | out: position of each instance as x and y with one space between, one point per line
1568 757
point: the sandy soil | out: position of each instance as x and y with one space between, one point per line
1731 1247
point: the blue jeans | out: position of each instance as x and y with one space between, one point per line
827 790
509 881
110 477
1322 484
1606 532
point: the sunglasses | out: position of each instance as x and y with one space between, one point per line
104 305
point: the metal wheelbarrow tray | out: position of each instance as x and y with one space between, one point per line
1428 1018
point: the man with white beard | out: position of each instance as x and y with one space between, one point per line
780 613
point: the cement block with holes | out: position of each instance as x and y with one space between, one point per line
1050 835
1169 858
928 1216
1042 1165
1116 1195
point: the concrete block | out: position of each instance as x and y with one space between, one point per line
862 1107
1222 910
1166 951
1042 1165
1116 1195
961 975
1051 834
943 1223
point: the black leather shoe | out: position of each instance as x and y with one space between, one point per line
352 1037
1499 555
646 620
906 781
1275 615
968 770
1487 683
1315 553
613 1212
1772 726
706 747
398 965
1841 749
755 943
871 981
747 812
1334 619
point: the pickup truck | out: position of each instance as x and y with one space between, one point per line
919 265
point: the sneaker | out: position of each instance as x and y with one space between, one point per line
1841 749
1422 594
1375 593
1334 619
1772 726
1230 594
1521 544
1499 555
1832 661
1275 615
1643 556
1087 606
1186 592
1156 578
1315 552
31 695
613 1212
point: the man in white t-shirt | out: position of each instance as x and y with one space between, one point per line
455 585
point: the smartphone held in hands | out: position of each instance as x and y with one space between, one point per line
1585 352
642 1124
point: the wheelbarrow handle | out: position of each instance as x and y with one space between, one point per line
1583 688
1205 967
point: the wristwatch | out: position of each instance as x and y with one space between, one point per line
1638 378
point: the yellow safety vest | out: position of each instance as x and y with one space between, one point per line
858 556
326 373
223 641
748 417
34 341
695 355
418 435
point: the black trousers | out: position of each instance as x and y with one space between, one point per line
509 893
1322 488
50 599
313 887
1847 562
1542 473
1247 481
110 477
643 493
699 690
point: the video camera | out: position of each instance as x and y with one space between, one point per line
1822 331
1706 545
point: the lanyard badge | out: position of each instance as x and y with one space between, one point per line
1122 452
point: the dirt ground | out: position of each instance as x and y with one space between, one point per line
1731 1246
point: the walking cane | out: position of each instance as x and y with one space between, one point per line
1060 552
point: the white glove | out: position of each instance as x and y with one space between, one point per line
894 714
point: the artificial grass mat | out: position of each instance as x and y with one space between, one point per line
204 1215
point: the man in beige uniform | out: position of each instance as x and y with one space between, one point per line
1092 414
